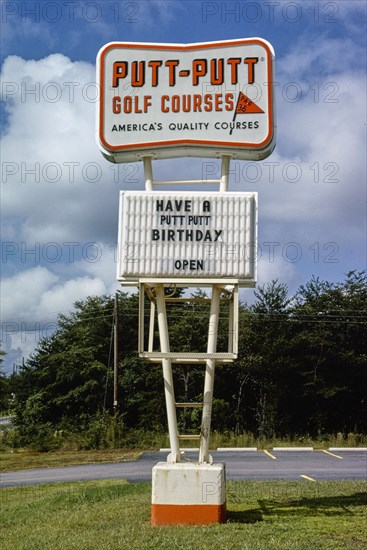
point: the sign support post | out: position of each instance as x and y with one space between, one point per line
167 375
204 100
148 172
200 485
190 492
226 159
209 377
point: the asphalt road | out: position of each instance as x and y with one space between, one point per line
291 465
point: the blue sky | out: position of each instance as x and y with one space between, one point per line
60 197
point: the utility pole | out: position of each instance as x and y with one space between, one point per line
115 356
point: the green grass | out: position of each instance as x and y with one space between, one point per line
24 459
114 514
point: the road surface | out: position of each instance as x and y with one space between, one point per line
261 465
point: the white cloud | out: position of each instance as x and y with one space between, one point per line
352 7
63 296
21 293
322 133
38 295
60 203
15 27
312 188
102 264
31 301
328 56
155 12
50 157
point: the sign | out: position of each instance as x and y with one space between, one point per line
172 100
187 235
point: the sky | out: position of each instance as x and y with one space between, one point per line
59 196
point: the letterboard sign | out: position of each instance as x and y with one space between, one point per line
187 235
172 100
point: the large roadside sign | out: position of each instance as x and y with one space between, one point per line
187 235
173 100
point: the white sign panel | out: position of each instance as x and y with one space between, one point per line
187 235
172 100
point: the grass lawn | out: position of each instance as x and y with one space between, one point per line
25 459
114 514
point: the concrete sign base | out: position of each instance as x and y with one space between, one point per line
188 493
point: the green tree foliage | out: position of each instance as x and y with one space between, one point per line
68 378
270 332
330 342
68 370
301 365
303 360
4 386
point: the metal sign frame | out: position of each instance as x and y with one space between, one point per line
156 291
231 297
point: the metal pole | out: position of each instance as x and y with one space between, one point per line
223 187
167 375
209 376
230 326
212 342
148 173
115 357
151 326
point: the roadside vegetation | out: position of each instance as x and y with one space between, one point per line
25 459
70 453
281 515
300 377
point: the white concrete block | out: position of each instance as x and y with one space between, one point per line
188 483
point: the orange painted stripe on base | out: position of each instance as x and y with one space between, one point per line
188 514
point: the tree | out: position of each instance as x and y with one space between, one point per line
300 369
4 386
272 376
68 370
330 340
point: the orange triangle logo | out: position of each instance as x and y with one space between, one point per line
246 106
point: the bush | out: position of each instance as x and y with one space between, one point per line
11 438
95 435
45 439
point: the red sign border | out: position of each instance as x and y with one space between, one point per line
184 142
